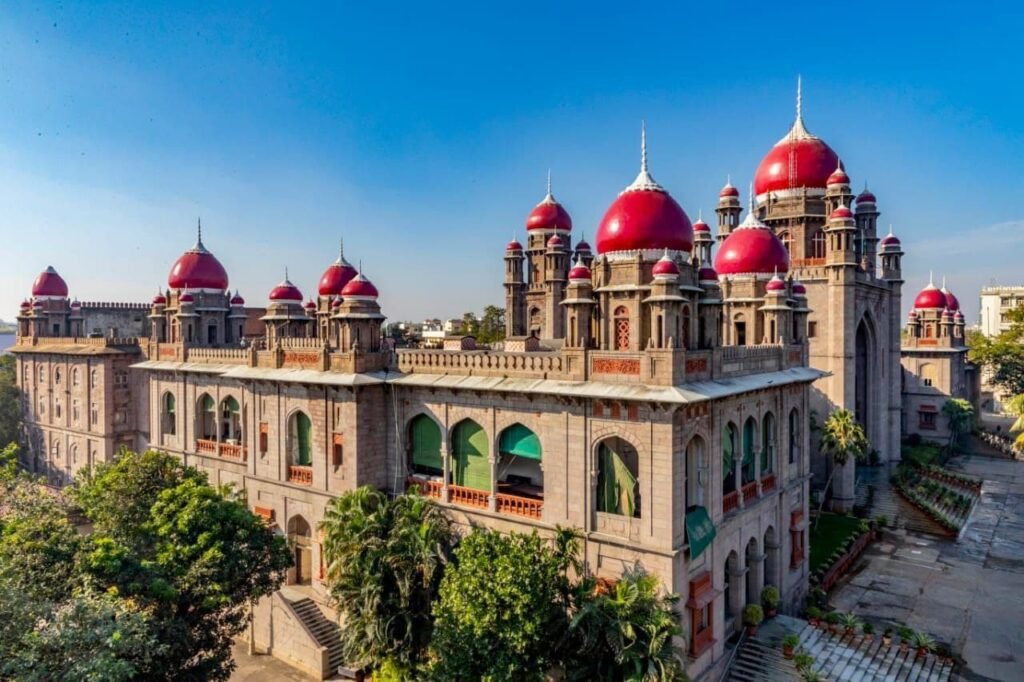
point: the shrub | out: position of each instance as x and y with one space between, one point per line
803 661
753 615
868 629
770 597
792 640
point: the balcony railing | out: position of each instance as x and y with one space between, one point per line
233 451
469 497
730 501
302 475
768 483
749 491
426 487
520 506
206 447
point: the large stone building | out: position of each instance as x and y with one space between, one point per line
657 402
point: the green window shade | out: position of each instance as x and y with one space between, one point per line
303 439
729 459
768 445
206 404
748 452
231 405
616 484
169 403
519 441
699 530
426 443
469 449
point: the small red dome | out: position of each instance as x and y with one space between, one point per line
583 247
775 284
799 289
185 298
197 268
555 242
285 292
336 303
796 161
665 267
701 226
958 316
752 248
310 305
25 305
159 299
838 177
579 273
49 283
930 297
335 277
237 299
951 301
729 191
890 240
359 287
514 245
707 274
76 305
37 304
841 213
549 215
913 314
865 197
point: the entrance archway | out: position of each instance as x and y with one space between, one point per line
300 538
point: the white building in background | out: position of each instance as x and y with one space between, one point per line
996 302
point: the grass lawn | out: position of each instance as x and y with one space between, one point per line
923 454
831 534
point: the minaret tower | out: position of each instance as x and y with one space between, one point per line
867 226
515 302
546 268
728 210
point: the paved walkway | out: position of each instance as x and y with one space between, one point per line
263 668
968 594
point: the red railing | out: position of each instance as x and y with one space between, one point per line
520 506
469 497
207 447
749 491
730 502
427 488
806 262
302 475
768 483
233 451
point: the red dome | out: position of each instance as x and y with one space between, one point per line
701 226
798 160
514 245
838 177
49 283
159 299
310 305
285 291
890 240
751 248
336 303
665 267
799 289
555 242
930 297
865 197
775 284
237 300
579 273
644 217
185 298
25 305
841 212
729 191
336 276
197 268
549 215
707 274
359 287
583 247
951 301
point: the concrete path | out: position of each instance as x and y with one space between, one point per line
968 594
263 668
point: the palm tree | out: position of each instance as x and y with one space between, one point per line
385 559
960 414
1015 406
842 439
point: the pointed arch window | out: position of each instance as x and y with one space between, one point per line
729 459
425 442
469 455
621 328
300 440
818 244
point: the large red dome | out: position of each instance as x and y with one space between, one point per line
285 292
549 214
49 283
930 297
197 268
336 276
796 161
752 248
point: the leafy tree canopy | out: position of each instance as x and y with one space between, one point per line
10 402
1002 354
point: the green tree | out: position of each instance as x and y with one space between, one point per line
501 610
470 325
1015 406
1003 354
843 440
196 559
960 416
385 560
492 325
10 402
626 634
91 636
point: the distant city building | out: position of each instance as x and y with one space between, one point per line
996 302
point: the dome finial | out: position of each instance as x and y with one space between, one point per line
799 97
286 273
643 146
644 181
341 248
549 182
931 278
890 230
700 213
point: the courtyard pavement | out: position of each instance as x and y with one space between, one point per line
968 594
263 668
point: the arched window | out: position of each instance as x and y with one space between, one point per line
469 454
685 336
519 468
929 375
749 434
425 446
230 421
731 570
300 440
740 330
768 444
621 322
73 453
729 459
206 418
56 375
42 374
618 488
787 240
93 378
74 377
55 450
818 244
794 435
168 418
696 472
300 537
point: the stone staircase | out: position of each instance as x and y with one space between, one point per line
875 496
837 658
323 630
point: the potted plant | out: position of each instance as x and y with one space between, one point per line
753 615
868 629
850 622
770 600
803 660
789 644
887 637
923 642
810 675
905 633
833 620
814 615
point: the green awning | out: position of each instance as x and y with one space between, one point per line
699 530
469 456
519 441
426 443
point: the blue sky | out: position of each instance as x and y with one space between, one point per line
422 132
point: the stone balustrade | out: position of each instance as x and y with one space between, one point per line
539 364
220 356
301 475
520 506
